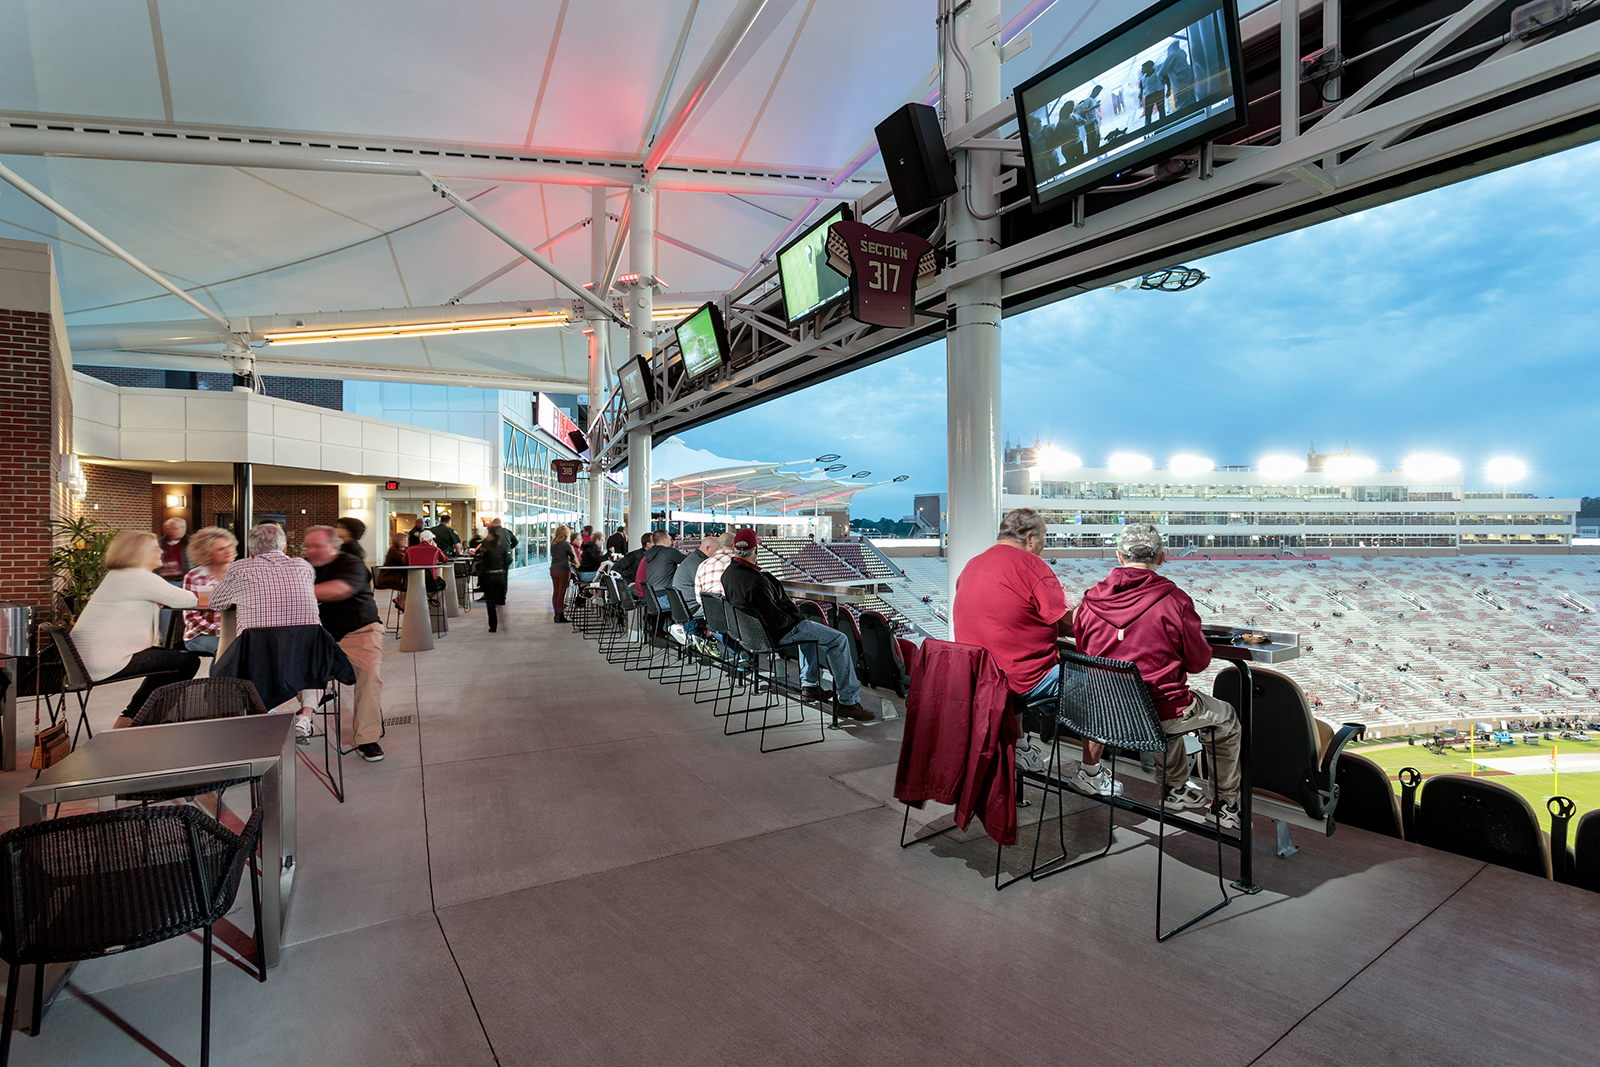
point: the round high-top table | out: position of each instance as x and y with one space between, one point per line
416 632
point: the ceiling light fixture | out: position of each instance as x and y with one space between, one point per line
418 329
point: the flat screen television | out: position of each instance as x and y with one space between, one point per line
637 385
1160 83
703 341
809 284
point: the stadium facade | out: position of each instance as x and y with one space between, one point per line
1246 508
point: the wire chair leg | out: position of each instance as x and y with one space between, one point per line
37 1023
205 1003
14 974
1161 853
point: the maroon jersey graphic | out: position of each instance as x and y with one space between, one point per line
884 271
566 469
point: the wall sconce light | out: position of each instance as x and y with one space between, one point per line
302 511
177 500
357 503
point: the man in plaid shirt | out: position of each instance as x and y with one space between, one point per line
708 576
270 588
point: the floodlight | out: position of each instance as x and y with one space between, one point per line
1128 463
1423 468
829 458
1186 464
1281 466
1349 467
1506 470
1055 459
835 467
902 478
862 474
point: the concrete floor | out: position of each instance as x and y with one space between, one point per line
559 863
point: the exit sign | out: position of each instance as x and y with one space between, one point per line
391 485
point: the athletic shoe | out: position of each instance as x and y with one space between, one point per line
1094 785
302 729
1228 816
679 634
814 692
1029 760
371 751
1190 796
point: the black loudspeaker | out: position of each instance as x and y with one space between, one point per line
920 171
578 440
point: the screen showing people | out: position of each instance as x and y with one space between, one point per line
809 283
1151 87
700 340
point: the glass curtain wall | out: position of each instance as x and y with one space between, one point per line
536 503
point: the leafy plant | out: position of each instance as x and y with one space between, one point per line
77 563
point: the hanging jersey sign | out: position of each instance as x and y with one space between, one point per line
884 270
566 469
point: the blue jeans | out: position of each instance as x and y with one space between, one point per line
587 576
836 647
205 644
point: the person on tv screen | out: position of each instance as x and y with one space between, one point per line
1087 116
1178 75
1152 92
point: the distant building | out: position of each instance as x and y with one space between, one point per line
931 512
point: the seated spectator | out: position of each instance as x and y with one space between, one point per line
753 590
1009 601
589 559
395 557
1138 616
708 576
344 600
116 634
657 566
213 548
351 530
425 553
271 589
629 567
683 582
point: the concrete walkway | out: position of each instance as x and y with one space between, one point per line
559 863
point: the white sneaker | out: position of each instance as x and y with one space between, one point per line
1028 759
1094 785
678 633
1190 796
302 728
1228 816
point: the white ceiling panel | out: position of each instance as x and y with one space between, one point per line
86 57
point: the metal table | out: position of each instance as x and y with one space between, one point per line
416 629
184 754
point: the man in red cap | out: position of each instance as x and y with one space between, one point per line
753 590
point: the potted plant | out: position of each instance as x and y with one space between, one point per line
77 564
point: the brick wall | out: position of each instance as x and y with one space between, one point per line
318 392
118 498
26 426
321 504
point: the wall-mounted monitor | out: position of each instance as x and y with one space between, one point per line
703 341
638 385
809 284
1160 83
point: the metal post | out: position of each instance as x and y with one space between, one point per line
1289 70
597 324
641 303
972 337
243 503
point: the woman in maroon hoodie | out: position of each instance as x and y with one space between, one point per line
1140 617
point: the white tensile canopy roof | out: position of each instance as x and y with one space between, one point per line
187 133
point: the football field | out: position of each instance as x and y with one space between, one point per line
1525 768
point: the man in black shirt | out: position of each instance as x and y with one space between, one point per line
754 591
629 567
617 543
659 564
446 538
344 601
414 537
507 538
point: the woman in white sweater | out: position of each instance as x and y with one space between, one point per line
116 635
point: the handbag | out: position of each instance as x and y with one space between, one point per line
51 744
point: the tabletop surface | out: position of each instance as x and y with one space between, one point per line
142 750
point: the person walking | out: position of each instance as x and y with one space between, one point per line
562 561
494 560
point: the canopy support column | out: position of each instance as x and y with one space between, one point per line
598 327
641 306
972 336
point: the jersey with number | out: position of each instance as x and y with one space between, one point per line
884 271
566 469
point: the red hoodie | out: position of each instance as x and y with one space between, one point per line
1140 617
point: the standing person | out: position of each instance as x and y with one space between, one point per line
1009 601
116 634
508 535
417 530
1178 75
1088 115
494 560
344 601
562 561
174 550
1152 92
213 548
1139 616
617 543
351 530
445 536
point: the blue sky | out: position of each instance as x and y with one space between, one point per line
1462 321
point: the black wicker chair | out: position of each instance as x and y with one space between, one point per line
192 701
77 679
719 620
755 639
1107 701
1366 799
1482 820
91 885
697 659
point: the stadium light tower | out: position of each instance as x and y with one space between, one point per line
1505 470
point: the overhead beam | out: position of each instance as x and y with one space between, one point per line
519 261
356 371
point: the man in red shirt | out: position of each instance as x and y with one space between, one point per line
1138 616
1010 602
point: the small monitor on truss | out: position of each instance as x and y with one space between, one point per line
638 385
1164 81
809 284
703 341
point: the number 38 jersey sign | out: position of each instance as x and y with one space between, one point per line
884 271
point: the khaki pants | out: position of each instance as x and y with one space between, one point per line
365 649
1205 710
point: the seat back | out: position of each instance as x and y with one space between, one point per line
752 635
679 609
1284 743
71 663
840 620
1367 800
1586 852
284 660
1106 700
200 698
1481 819
811 610
880 657
716 611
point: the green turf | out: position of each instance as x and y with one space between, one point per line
1582 788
